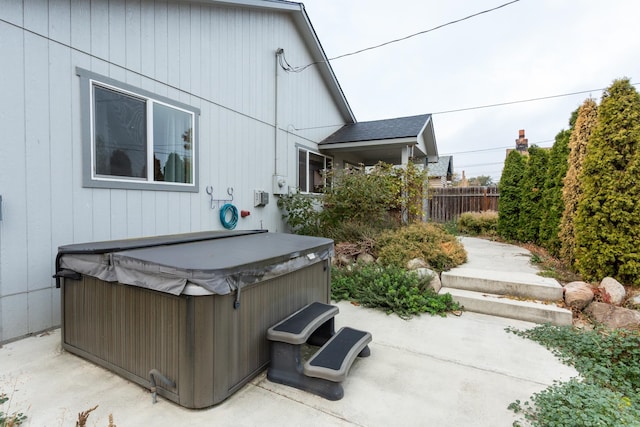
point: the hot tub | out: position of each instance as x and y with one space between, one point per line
191 308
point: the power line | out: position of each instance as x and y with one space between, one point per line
299 69
425 31
492 149
523 100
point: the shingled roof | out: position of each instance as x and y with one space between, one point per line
400 127
386 140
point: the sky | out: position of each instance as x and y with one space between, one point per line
528 49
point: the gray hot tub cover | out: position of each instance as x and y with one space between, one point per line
219 265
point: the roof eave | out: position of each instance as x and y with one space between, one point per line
350 146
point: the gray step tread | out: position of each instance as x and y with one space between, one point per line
333 360
526 285
503 306
298 327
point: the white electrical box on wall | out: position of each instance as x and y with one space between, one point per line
260 198
280 185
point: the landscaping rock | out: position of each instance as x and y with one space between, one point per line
614 317
366 258
343 260
416 263
634 301
578 294
435 283
612 291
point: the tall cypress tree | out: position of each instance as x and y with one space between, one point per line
552 202
531 187
510 194
572 190
607 223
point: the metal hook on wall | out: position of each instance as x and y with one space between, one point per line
209 190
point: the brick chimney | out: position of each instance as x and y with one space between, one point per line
522 143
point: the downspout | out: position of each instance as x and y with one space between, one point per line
279 52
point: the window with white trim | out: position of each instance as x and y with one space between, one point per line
312 171
137 140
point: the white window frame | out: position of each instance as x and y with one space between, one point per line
89 80
309 185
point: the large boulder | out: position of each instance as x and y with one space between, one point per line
416 263
366 258
613 317
578 295
612 291
435 283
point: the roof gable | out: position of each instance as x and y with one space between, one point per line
443 167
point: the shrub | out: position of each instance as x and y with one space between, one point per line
572 189
478 223
390 288
300 213
552 202
428 241
358 203
531 188
383 196
607 222
510 195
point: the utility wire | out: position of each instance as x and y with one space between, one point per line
425 31
522 100
290 68
493 149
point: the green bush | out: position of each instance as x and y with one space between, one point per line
478 223
390 288
301 213
531 187
572 189
552 202
608 393
441 250
607 223
358 203
510 195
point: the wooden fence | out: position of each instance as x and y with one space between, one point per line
446 204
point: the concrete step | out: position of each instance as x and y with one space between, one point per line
503 306
524 285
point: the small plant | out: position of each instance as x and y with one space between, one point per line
428 241
608 393
393 289
301 213
10 419
478 223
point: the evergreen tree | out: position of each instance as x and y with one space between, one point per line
572 190
509 187
531 187
553 206
607 222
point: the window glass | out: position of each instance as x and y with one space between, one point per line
302 170
312 171
120 134
316 171
172 144
135 139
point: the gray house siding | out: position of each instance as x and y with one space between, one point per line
214 57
